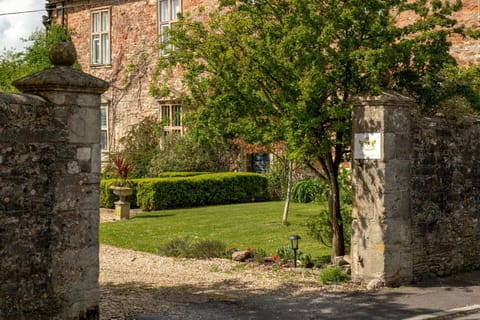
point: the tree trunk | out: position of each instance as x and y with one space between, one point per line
335 217
289 192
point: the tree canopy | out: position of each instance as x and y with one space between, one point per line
15 65
286 70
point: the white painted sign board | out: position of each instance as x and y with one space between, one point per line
367 146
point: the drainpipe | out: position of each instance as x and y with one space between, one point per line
63 13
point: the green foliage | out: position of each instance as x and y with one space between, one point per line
259 255
277 180
151 153
15 65
286 70
333 274
322 261
183 153
188 248
318 226
177 247
285 254
178 190
305 260
209 189
141 144
345 184
310 190
316 190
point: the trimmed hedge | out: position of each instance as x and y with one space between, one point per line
192 191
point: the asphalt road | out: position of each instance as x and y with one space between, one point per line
456 297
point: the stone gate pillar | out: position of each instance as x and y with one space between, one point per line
381 232
58 275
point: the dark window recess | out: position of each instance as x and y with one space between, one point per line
260 162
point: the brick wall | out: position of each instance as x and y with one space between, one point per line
465 50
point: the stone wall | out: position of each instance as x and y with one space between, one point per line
49 196
416 193
445 195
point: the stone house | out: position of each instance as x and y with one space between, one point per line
117 41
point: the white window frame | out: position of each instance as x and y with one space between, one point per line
168 11
171 114
104 143
100 46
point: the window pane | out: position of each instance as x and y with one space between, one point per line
105 21
95 22
175 9
163 10
95 49
164 38
106 48
166 115
103 140
103 117
163 32
177 116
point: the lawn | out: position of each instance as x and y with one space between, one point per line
251 225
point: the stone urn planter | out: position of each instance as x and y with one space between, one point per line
122 206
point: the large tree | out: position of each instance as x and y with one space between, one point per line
286 70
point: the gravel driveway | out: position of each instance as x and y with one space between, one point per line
136 283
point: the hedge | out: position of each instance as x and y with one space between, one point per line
191 191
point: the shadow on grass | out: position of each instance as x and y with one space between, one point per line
154 215
232 299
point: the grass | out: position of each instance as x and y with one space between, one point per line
252 225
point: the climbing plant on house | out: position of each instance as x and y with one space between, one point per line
286 70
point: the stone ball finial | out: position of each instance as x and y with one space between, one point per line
62 53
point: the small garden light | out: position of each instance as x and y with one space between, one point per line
294 243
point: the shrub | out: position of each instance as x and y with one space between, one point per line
208 249
316 190
309 190
285 254
322 261
318 226
181 190
183 153
277 180
208 189
188 248
177 247
140 145
259 255
333 274
305 260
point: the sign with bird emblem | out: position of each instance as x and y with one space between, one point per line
367 146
